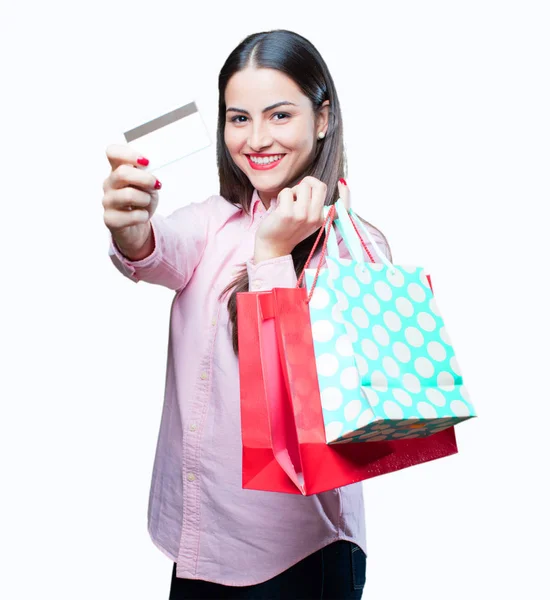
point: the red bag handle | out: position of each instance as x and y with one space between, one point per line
329 219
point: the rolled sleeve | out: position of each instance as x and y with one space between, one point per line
179 243
268 274
130 268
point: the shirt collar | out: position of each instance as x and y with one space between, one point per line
256 206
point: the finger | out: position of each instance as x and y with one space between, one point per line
302 193
126 198
344 193
126 175
117 219
286 202
120 154
317 203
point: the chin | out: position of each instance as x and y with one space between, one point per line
270 183
267 189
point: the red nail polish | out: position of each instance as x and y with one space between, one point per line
158 185
342 180
143 161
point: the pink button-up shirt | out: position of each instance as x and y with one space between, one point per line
199 515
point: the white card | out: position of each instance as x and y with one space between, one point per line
170 137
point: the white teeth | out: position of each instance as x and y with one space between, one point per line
267 160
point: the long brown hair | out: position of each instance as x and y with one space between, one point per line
297 58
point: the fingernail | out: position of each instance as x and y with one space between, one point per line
143 161
342 180
158 185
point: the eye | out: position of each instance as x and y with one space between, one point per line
234 119
283 115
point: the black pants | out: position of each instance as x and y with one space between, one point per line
336 572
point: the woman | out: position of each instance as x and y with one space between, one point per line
280 160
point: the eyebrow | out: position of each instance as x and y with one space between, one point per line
276 105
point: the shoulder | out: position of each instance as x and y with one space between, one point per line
377 234
214 208
222 207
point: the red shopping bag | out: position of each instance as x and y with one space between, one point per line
283 435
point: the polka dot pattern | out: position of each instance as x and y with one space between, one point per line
363 275
371 304
402 352
344 347
393 410
424 367
320 298
383 290
352 410
392 320
370 349
351 287
404 306
331 398
426 321
379 381
343 303
381 335
402 397
323 331
362 365
414 337
390 366
349 378
360 317
386 367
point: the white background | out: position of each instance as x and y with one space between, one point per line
447 123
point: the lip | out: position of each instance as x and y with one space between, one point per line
263 167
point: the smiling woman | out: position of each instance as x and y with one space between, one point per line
276 97
280 160
279 121
260 137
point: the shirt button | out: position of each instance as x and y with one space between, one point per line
191 477
193 427
204 376
213 322
257 284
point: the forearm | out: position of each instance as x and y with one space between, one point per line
167 257
138 252
263 252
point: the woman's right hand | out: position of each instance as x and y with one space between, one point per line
130 199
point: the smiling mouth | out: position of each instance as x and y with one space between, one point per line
264 162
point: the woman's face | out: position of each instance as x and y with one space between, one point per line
270 128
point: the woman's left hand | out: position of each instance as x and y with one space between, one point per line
298 215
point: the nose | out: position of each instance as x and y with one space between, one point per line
260 137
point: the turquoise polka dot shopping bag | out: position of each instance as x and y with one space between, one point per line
385 363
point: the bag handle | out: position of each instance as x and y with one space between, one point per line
332 245
352 236
348 235
329 218
356 222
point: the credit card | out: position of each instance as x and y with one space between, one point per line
170 137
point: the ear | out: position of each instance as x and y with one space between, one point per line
322 117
